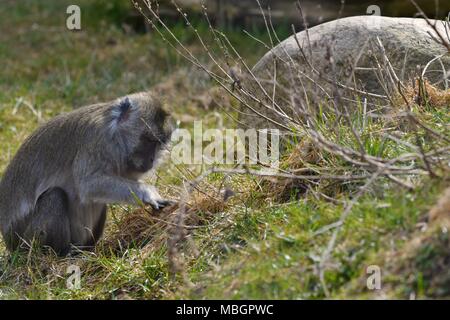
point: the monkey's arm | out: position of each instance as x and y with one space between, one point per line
111 189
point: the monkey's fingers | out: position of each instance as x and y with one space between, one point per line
161 204
157 204
165 203
154 204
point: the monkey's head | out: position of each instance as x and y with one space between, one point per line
142 116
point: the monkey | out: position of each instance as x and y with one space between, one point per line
57 186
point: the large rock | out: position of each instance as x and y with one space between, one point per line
346 51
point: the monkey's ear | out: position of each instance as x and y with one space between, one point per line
122 111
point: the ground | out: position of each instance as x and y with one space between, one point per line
264 243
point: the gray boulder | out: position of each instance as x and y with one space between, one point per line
365 55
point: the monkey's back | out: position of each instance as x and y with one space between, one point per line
45 159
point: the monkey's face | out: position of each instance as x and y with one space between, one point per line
152 143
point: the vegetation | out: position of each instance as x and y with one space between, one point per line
268 240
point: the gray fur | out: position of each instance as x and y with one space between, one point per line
57 186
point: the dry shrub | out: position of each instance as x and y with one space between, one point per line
300 161
305 154
206 203
145 227
138 228
282 190
423 93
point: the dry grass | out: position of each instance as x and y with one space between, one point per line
137 229
305 159
422 93
305 154
145 227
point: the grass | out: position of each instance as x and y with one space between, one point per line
257 246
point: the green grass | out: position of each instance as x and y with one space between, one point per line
272 253
257 247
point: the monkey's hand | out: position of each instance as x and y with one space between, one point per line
111 189
149 195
